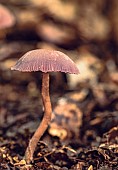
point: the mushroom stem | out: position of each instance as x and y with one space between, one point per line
44 123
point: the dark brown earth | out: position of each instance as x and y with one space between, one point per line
83 134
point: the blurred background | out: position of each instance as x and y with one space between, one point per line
85 30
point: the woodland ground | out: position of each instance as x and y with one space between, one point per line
83 134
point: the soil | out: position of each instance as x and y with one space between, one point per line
83 133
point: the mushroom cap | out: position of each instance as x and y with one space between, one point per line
45 61
7 19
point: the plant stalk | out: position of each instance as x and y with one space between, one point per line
45 121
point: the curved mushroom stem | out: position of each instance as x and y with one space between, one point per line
44 123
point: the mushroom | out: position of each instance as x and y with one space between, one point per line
7 19
45 61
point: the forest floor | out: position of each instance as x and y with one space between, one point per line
83 133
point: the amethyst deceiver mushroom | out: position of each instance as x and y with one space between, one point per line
45 61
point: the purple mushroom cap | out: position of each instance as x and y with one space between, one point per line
45 61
